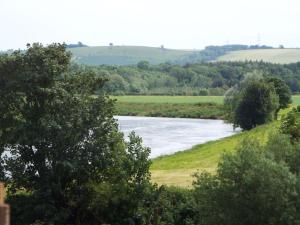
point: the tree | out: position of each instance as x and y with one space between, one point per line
253 102
282 90
249 188
143 65
65 152
290 123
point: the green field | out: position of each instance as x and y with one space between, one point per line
170 99
204 107
177 169
268 55
126 55
180 99
176 110
296 99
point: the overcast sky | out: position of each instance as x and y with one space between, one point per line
184 24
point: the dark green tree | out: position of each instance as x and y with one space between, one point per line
253 102
65 156
143 65
282 90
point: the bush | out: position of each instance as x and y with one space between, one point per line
290 124
250 188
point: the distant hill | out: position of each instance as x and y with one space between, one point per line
131 55
282 56
126 55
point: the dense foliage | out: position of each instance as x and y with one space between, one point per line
291 123
63 154
255 186
190 79
256 100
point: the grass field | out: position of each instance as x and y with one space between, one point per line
125 55
177 169
268 55
296 99
180 99
170 99
203 107
176 110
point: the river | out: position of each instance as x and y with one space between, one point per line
169 135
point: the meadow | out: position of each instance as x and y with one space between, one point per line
180 99
125 55
170 99
282 56
176 110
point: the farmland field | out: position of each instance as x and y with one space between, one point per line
170 99
125 55
282 56
180 99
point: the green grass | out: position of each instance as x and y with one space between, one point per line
170 99
125 55
177 169
282 56
198 110
180 99
204 107
296 99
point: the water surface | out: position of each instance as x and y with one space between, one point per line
169 135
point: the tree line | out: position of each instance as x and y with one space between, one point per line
190 79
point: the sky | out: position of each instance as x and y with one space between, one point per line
178 24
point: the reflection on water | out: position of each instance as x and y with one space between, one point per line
169 135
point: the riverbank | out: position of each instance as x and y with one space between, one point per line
177 169
201 107
174 110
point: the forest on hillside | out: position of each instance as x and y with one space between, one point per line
190 79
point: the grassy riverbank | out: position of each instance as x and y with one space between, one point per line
177 169
204 107
197 110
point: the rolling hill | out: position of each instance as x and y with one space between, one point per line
126 55
282 56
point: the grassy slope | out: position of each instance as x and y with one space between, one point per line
125 55
268 55
177 169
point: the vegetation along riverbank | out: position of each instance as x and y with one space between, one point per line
203 107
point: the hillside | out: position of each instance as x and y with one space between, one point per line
131 55
281 56
126 55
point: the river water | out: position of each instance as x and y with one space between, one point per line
169 135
